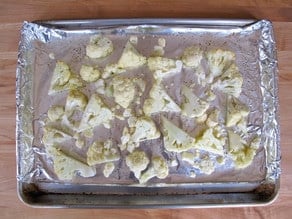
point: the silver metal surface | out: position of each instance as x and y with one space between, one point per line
255 46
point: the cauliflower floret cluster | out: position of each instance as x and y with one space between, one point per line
159 101
123 91
99 47
102 152
137 161
192 106
76 100
192 56
66 167
63 79
237 113
131 58
158 168
96 113
175 139
162 66
89 74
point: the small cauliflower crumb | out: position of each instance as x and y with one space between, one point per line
205 165
131 58
188 157
192 56
158 168
89 74
108 169
99 47
137 161
133 40
102 152
67 167
175 139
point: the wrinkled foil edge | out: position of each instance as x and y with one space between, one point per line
269 85
24 96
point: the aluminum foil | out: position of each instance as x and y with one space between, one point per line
255 50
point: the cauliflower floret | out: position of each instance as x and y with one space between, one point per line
64 79
211 141
159 101
76 100
175 139
192 56
205 165
96 113
99 47
88 73
145 129
53 136
192 106
55 113
158 168
218 60
237 113
230 82
162 66
108 169
123 91
141 129
131 58
67 167
137 161
112 69
241 153
102 152
213 118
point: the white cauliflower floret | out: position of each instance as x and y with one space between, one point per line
162 66
158 168
237 113
175 139
53 136
230 82
67 167
88 73
64 79
137 161
159 101
102 152
108 169
76 100
219 60
192 106
241 153
145 129
192 56
205 165
123 91
55 113
112 69
131 58
96 113
141 128
99 47
211 141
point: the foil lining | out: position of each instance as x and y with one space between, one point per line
257 55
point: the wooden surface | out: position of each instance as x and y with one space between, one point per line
14 12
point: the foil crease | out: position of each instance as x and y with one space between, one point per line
29 164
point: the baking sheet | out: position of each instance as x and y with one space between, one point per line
246 37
